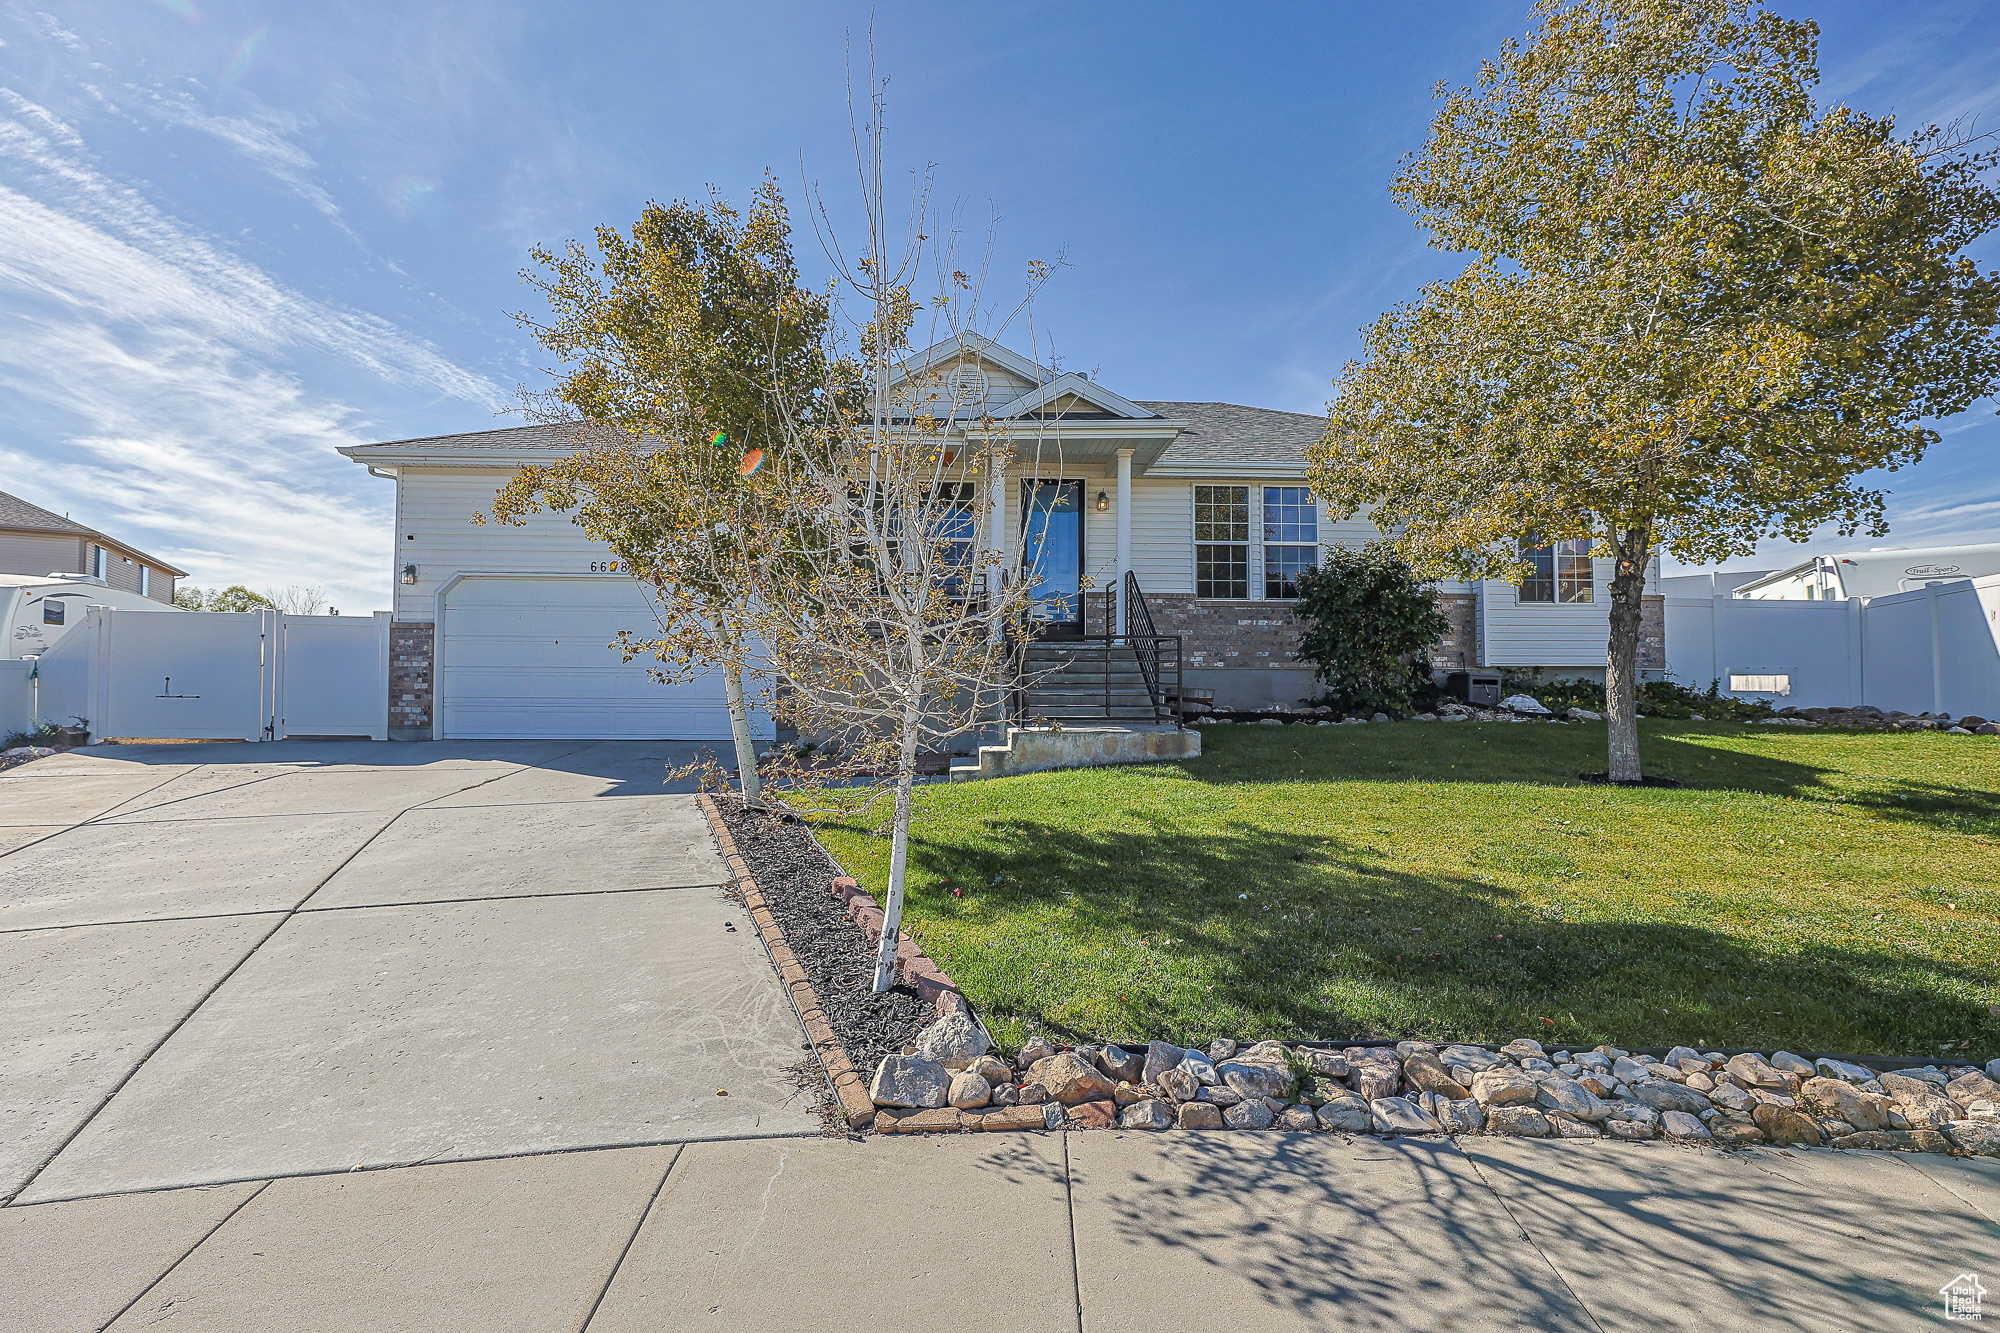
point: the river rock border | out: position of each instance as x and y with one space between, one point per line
951 1079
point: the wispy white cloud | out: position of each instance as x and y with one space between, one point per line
263 142
170 371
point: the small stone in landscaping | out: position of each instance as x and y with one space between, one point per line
1729 1095
1474 1058
1680 1053
954 1041
1221 1095
1630 1129
1664 1096
1197 1064
909 1081
1840 1069
1093 1115
1160 1057
1503 1087
1400 1115
1221 1049
1681 1125
1119 1063
1006 1094
969 1091
1053 1115
1178 1084
992 1069
1787 1063
1151 1113
1603 1085
1524 1048
1072 1081
1248 1114
1198 1115
1037 1048
1627 1070
1300 1119
1129 1094
1569 1127
1374 1081
1981 1138
1521 1122
1785 1127
1571 1098
1702 1084
1331 1064
1032 1094
1971 1087
1428 1073
1731 1133
1255 1080
1264 1053
1844 1101
1754 1071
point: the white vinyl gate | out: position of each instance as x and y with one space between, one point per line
528 657
219 675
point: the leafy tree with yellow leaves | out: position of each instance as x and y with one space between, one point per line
1702 305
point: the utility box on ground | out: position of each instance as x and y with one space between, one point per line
1480 689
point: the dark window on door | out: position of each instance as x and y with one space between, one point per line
52 612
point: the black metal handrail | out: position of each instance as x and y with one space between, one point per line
1145 642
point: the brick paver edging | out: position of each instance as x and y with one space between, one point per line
848 1086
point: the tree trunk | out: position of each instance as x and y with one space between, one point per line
1621 662
746 749
899 863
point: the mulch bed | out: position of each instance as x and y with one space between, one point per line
793 873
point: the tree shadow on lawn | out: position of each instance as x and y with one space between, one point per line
1443 956
1473 752
1935 805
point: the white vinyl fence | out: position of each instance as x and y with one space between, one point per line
1931 650
17 695
219 675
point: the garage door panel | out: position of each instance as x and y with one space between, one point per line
528 659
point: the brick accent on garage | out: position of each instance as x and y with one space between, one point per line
412 647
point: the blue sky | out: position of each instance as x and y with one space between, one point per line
239 235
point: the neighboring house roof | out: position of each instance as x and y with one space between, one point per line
1227 432
17 515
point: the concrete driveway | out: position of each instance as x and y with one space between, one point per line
233 962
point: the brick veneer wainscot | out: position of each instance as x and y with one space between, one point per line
411 649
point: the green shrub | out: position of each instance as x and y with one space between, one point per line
1370 626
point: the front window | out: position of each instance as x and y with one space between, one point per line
98 564
1560 573
1222 541
1291 539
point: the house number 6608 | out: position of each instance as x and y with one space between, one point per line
604 566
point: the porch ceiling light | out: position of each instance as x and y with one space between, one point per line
1103 501
409 573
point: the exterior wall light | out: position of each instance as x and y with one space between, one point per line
1103 502
409 573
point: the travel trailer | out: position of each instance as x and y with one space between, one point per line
1880 573
37 610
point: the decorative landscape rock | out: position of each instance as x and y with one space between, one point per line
1400 1115
954 1041
1754 1071
1220 1049
1571 1098
1037 1048
969 1091
1663 1096
1160 1057
1249 1113
1118 1063
1845 1101
1347 1113
1787 1063
1840 1069
1221 1095
1973 1087
1297 1119
1730 1096
1149 1114
1072 1082
1786 1128
1198 1115
909 1081
1680 1125
1331 1064
1373 1081
1256 1080
1979 1137
1428 1073
1197 1064
1521 1122
1503 1087
1178 1084
1093 1115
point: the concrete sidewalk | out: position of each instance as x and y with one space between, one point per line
1102 1232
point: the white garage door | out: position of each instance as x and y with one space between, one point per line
527 658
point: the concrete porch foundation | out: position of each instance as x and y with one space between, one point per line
1038 749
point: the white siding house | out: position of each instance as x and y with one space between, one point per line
499 629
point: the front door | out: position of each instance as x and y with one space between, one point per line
1052 552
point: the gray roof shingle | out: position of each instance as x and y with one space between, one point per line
18 513
1229 433
505 439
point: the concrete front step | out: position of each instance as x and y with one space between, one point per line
1036 749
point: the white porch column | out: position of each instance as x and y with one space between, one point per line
996 524
1124 529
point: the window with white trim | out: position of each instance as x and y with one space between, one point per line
1222 541
1291 539
100 564
145 581
1561 573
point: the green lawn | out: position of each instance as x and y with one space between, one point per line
1812 890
